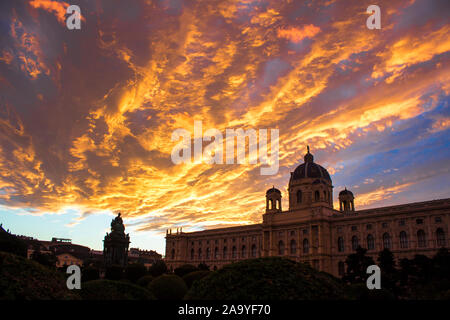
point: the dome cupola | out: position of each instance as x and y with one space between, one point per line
346 201
310 185
273 200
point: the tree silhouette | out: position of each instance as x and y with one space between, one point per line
357 264
135 271
158 268
389 273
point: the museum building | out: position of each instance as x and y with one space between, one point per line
312 231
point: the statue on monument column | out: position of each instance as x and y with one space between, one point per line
116 243
117 224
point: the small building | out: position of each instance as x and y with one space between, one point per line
146 257
68 259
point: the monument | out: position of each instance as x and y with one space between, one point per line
115 244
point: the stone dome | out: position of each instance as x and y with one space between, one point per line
309 169
272 190
345 192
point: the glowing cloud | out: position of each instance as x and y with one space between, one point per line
296 35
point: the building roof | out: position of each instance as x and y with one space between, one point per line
310 169
345 192
272 190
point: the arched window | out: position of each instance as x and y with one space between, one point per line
299 196
370 242
316 195
354 242
173 254
293 247
208 253
278 204
216 253
325 196
270 204
254 251
440 237
234 252
224 252
421 239
281 248
200 253
386 241
244 252
305 246
403 240
341 268
192 254
341 244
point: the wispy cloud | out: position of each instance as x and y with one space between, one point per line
86 116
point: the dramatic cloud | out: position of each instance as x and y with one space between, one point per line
86 116
55 7
296 35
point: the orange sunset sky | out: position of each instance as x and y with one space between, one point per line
86 116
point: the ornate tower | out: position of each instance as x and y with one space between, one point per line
115 244
310 185
346 201
273 200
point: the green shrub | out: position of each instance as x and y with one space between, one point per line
46 259
267 279
12 244
135 271
114 272
193 276
185 269
145 280
203 267
168 287
23 279
158 268
113 290
89 274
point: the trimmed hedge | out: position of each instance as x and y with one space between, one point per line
194 276
113 290
145 280
114 272
168 287
135 271
158 268
89 274
185 269
23 279
267 279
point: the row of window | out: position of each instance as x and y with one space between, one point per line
234 252
291 233
224 240
326 196
386 225
403 236
292 247
270 204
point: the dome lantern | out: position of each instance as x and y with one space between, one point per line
346 201
273 200
310 185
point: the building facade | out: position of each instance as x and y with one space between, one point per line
312 231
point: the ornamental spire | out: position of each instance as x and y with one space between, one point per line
308 156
